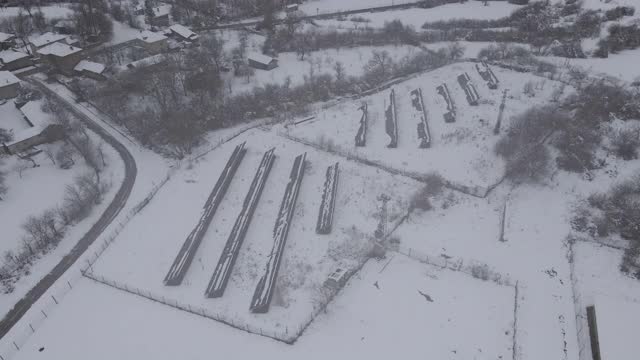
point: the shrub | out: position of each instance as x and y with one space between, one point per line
480 272
625 142
588 23
618 12
623 37
519 2
602 49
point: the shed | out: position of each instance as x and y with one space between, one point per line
261 61
13 60
183 32
161 15
9 85
7 40
39 132
90 69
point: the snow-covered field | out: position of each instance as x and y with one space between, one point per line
50 12
308 258
365 321
461 152
416 17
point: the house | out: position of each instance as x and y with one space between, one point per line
7 41
90 69
65 27
153 42
291 8
13 60
612 328
261 61
61 56
40 131
161 15
9 85
38 42
183 33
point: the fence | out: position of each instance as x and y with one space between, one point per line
55 296
582 326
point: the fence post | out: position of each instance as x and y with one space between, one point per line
32 330
70 287
43 313
54 299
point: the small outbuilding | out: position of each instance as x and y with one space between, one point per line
262 62
183 33
161 15
7 41
90 69
13 60
9 85
39 132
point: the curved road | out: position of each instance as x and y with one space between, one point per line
114 208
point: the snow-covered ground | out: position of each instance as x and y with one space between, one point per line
308 258
43 188
365 321
317 63
416 17
616 65
462 152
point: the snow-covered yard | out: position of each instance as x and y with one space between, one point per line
461 152
61 10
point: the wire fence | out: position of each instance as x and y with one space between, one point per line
61 289
582 325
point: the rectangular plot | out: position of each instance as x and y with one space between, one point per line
221 274
419 113
361 136
391 121
469 89
450 115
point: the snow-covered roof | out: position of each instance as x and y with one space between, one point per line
7 56
46 38
161 10
7 78
59 50
150 37
183 31
260 58
91 66
32 110
5 37
617 321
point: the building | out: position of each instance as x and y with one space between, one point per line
261 61
38 42
62 57
9 85
183 33
153 42
90 69
13 60
161 15
7 41
40 131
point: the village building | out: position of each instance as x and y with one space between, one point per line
38 42
183 33
90 69
146 62
161 15
13 60
261 61
9 85
7 41
61 56
39 131
66 27
152 42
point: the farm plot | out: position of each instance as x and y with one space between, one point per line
308 258
361 136
487 75
461 151
469 89
419 115
327 207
